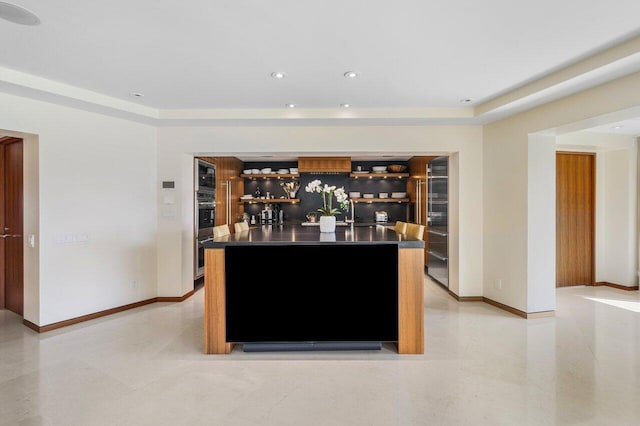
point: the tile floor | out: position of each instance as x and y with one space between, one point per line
482 366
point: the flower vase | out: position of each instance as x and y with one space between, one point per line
327 224
328 237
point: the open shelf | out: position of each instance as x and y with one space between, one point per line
378 175
271 176
271 200
381 200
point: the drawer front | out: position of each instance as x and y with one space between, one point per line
438 243
438 268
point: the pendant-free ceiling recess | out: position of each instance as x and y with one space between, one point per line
17 14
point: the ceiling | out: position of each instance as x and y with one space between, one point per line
626 127
416 59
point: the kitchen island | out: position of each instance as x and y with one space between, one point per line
295 285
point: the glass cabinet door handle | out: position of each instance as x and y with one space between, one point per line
437 256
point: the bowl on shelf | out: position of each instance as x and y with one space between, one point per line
398 195
266 170
379 169
368 196
246 172
383 195
397 168
293 170
354 194
255 171
283 171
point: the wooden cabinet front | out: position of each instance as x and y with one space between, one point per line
229 188
417 189
324 164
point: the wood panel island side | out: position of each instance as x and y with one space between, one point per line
289 284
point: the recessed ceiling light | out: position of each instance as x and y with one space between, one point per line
617 127
136 95
350 74
290 105
465 101
278 75
17 14
345 105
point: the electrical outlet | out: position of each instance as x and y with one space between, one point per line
71 238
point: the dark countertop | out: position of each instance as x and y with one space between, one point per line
311 235
343 223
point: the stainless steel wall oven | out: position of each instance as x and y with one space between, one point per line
204 210
206 215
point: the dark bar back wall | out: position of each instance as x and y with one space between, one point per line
310 202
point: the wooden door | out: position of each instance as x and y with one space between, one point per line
11 244
575 219
2 226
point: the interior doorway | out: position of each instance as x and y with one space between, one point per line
11 225
575 218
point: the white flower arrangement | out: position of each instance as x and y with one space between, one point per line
327 192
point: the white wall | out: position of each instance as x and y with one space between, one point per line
541 217
454 226
616 202
619 266
507 228
177 145
97 178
